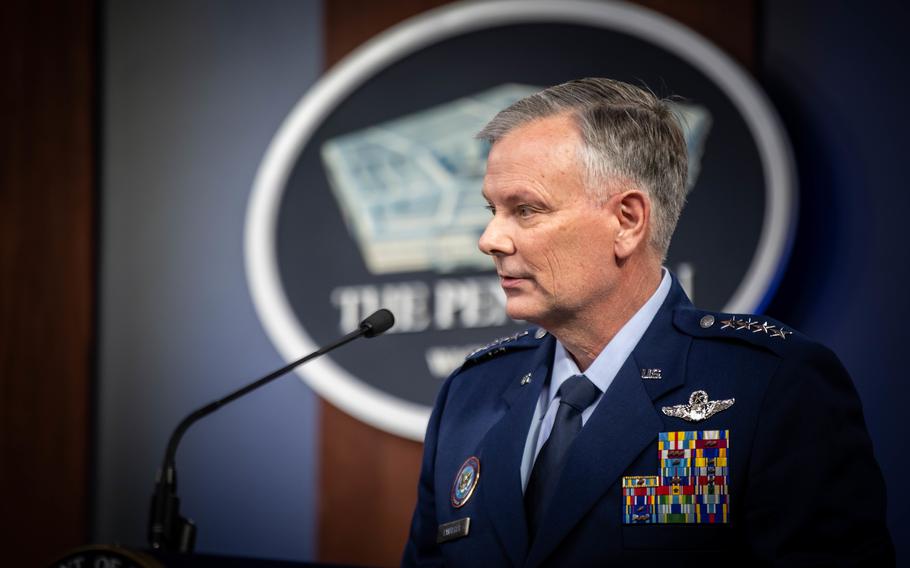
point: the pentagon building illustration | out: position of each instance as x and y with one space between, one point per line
410 188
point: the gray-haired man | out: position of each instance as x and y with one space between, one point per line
556 448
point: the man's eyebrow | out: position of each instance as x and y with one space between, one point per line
520 195
513 195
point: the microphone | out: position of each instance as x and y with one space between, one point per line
379 322
167 529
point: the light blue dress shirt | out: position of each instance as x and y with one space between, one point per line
601 372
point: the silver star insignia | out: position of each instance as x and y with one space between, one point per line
782 333
699 407
728 322
767 328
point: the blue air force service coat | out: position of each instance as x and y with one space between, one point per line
779 471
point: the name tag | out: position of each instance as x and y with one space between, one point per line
453 530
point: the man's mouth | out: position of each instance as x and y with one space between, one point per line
510 281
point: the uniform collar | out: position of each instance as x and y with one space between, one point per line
604 368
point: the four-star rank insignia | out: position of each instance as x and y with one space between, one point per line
739 324
465 482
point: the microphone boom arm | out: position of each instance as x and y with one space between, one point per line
168 530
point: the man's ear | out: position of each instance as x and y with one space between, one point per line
633 213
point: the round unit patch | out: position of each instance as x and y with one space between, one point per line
465 482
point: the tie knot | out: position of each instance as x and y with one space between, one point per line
578 392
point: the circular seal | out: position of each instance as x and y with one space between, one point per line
465 482
369 194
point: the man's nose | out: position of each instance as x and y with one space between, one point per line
495 239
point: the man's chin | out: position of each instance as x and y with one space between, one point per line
517 311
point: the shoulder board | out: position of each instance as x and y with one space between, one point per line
521 340
751 328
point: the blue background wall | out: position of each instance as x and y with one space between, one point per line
192 93
837 74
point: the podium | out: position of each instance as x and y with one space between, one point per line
107 556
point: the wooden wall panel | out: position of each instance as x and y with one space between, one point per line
368 479
732 25
46 275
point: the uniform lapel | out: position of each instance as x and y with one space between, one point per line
663 348
503 447
624 423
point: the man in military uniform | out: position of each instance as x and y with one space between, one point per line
629 428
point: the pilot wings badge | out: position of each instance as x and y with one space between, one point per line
699 407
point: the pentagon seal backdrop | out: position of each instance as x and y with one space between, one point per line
369 194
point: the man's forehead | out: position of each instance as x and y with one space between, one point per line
546 146
551 139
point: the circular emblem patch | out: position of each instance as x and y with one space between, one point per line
465 482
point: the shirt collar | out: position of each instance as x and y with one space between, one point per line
604 368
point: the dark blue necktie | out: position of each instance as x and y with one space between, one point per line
575 394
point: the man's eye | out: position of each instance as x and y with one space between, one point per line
490 208
524 211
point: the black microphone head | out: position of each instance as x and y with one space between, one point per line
377 323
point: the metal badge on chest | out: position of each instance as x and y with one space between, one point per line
465 482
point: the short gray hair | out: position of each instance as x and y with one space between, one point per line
627 133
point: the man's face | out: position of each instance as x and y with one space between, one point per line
553 247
